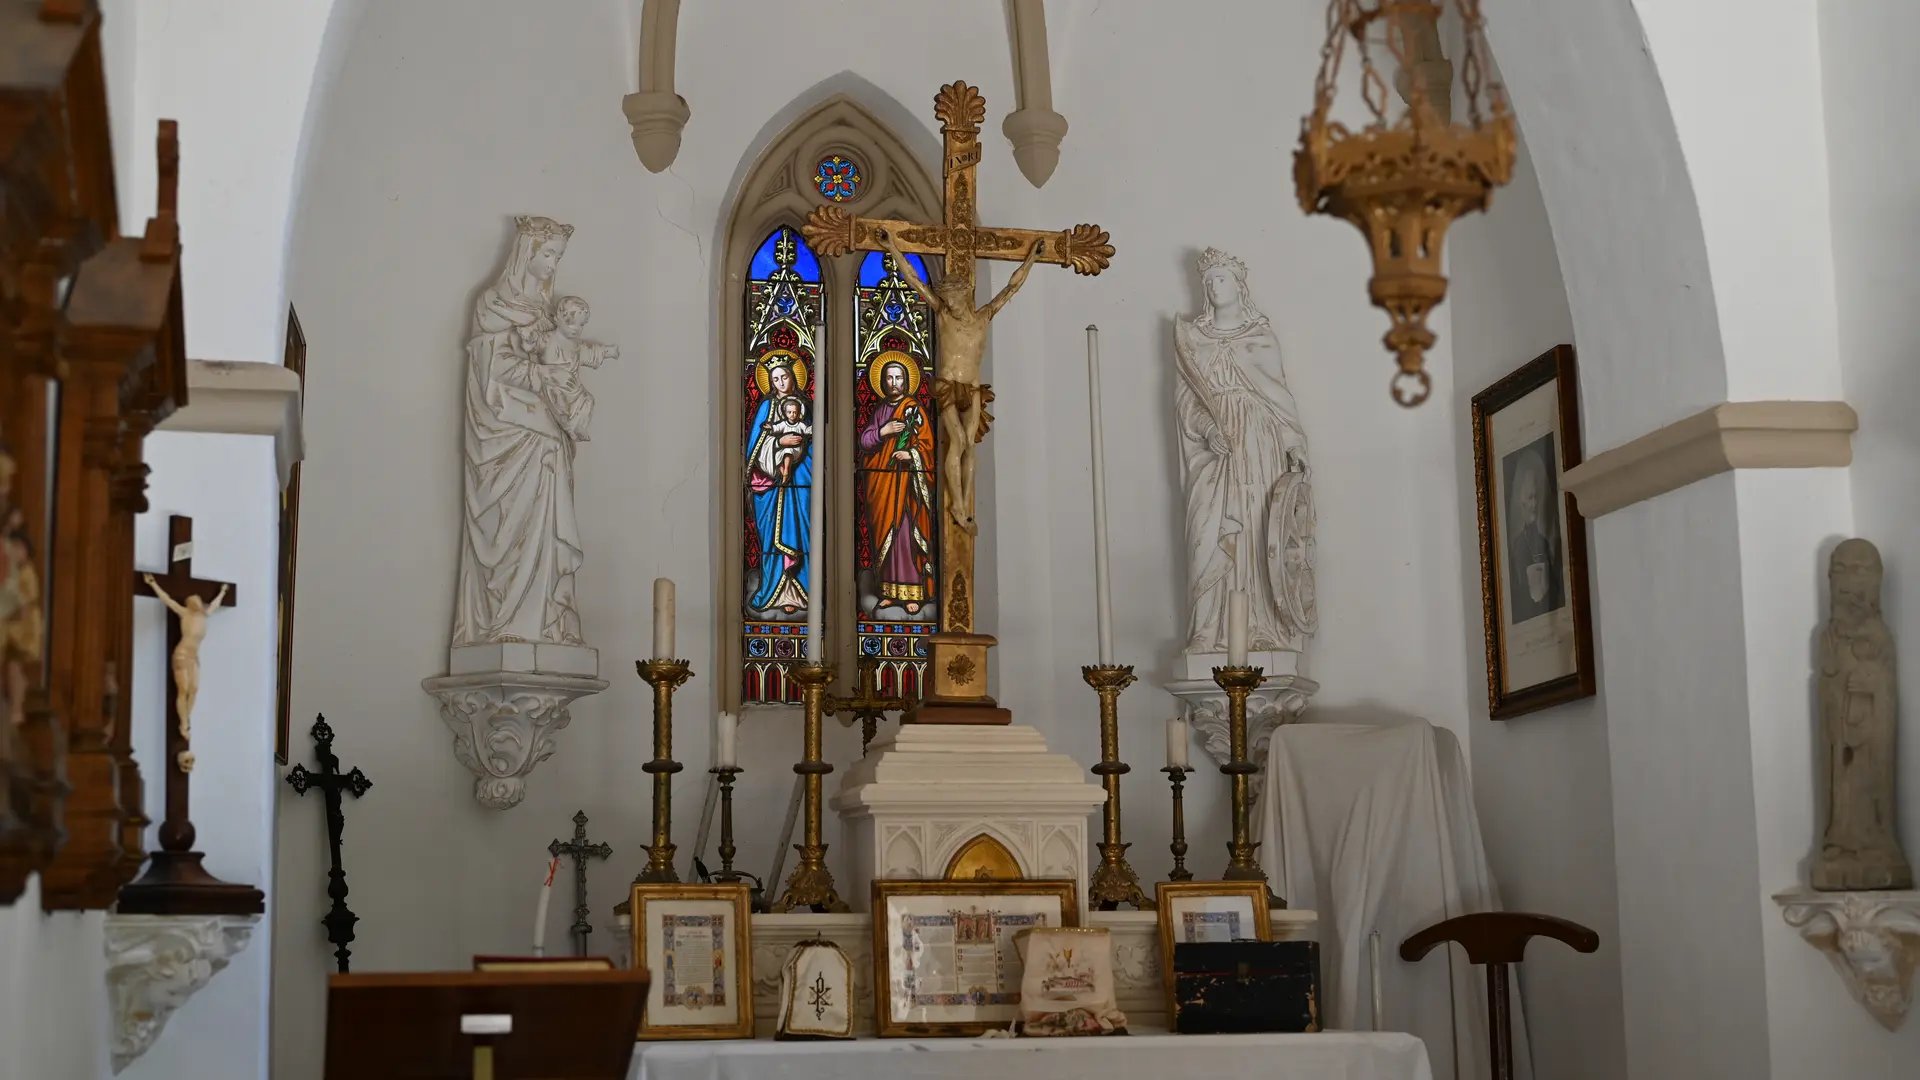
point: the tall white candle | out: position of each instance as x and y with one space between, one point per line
540 912
1102 593
662 619
1177 743
1379 995
817 506
726 741
1236 629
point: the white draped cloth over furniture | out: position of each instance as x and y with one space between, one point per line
1374 828
1338 1055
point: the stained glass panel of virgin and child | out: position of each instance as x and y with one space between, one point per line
895 545
784 308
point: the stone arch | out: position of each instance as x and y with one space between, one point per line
1625 216
775 188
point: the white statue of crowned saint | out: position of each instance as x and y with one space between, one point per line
1249 504
519 656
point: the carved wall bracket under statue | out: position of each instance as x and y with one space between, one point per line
519 658
1872 939
156 962
1279 700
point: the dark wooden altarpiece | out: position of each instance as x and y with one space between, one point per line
93 358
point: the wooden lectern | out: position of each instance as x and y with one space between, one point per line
483 1025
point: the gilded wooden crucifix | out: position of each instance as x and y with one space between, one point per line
958 669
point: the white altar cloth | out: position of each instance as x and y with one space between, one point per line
1333 1055
1373 826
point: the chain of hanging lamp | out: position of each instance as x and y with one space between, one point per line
1403 181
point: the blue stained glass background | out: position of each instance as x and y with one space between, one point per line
766 260
873 268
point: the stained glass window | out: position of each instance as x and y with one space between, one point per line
894 472
838 178
785 309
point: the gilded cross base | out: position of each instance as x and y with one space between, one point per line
957 684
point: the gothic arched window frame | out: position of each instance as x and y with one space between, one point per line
781 189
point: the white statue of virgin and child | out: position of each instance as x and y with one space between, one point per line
1249 514
526 409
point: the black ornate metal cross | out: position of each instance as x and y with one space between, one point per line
339 920
869 706
580 850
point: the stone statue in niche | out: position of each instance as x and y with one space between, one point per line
1249 507
1860 848
525 412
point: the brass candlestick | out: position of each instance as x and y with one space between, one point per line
1180 872
1238 682
810 886
665 676
727 873
1114 882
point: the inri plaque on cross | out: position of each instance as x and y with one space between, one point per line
957 669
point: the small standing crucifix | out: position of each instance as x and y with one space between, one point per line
580 850
868 706
175 883
339 919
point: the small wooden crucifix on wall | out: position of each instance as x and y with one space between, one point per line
175 883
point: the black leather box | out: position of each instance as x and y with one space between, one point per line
1242 986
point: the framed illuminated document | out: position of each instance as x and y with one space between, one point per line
1208 911
693 940
944 956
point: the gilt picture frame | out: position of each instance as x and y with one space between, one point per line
1208 911
288 561
695 941
944 956
1533 541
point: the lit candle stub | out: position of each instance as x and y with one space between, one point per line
1177 743
1236 629
662 619
726 741
540 911
1102 592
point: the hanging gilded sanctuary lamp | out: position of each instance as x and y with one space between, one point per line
1402 182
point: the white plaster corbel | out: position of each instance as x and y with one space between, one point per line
504 721
1033 128
243 397
1871 938
656 113
156 962
1279 700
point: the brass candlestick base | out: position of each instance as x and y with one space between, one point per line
1114 882
1178 776
1238 682
726 774
810 886
665 676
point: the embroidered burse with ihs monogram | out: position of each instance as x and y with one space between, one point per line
816 993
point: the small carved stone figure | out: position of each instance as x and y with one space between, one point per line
1861 847
186 655
957 388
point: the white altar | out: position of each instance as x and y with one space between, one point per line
1334 1055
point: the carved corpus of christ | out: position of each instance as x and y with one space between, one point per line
186 655
957 388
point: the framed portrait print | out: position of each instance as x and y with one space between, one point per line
1533 541
1208 911
694 941
944 955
